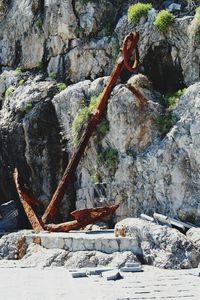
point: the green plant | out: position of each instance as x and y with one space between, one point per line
197 16
197 25
61 86
163 21
170 99
53 75
39 23
82 118
165 123
29 106
19 70
3 76
95 177
108 27
197 37
131 153
93 103
79 30
21 82
103 127
40 65
9 92
78 123
109 158
83 2
138 10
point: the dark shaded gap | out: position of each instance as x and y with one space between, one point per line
159 67
18 53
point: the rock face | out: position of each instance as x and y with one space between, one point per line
156 171
162 246
64 36
36 126
75 40
131 130
193 235
30 138
171 59
128 160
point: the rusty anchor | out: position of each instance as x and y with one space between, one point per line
128 51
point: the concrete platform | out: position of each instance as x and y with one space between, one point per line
80 241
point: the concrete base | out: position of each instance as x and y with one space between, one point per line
80 241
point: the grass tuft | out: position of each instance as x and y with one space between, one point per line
137 11
163 21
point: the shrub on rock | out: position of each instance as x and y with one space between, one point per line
137 11
163 21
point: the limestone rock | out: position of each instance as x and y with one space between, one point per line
162 246
81 259
181 50
131 130
29 129
193 235
12 245
36 34
38 256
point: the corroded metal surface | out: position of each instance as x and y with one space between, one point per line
63 227
83 217
94 214
27 201
138 94
129 50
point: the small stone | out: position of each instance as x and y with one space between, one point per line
132 265
174 7
131 269
97 271
112 275
79 274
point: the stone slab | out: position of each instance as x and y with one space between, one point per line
79 274
131 269
133 265
78 241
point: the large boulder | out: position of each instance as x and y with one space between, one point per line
193 235
81 259
162 246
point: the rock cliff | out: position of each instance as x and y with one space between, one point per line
146 158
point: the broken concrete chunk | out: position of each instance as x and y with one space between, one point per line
97 271
131 269
79 274
112 275
132 265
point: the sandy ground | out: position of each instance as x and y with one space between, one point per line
57 284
